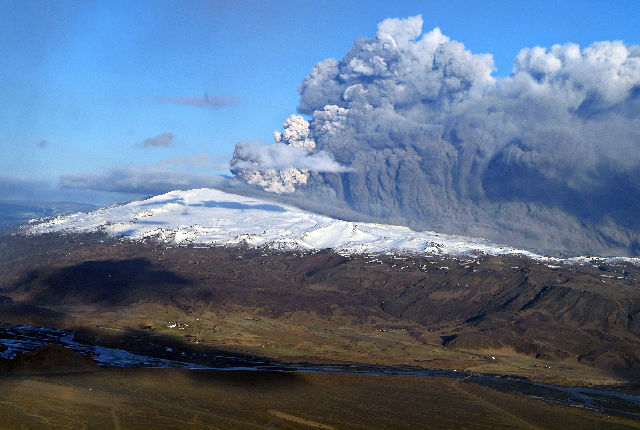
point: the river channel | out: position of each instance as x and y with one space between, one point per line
16 339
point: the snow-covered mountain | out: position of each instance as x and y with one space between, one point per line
212 217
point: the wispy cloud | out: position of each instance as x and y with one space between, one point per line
19 188
140 180
164 140
201 159
253 155
206 101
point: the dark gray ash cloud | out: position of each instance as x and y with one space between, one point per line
548 157
162 140
206 101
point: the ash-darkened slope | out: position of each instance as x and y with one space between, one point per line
548 157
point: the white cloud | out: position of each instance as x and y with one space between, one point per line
279 156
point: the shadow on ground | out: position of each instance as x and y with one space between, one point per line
109 282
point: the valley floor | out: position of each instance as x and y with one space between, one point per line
170 398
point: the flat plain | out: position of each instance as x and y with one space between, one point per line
171 398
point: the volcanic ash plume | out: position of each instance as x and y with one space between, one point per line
248 158
546 157
280 168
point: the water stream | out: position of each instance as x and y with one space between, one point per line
19 338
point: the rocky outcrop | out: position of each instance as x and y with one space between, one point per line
52 358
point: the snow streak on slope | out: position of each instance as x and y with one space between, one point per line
213 217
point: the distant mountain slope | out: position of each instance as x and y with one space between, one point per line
16 212
209 216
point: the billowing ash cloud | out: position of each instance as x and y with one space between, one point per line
140 180
295 134
210 102
163 139
283 166
546 157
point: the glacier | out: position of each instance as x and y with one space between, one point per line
216 218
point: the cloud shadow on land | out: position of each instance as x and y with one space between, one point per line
178 200
240 206
107 282
150 222
178 348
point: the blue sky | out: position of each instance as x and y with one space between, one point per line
85 83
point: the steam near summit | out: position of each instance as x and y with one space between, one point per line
412 127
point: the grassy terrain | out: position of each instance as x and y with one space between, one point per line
164 398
